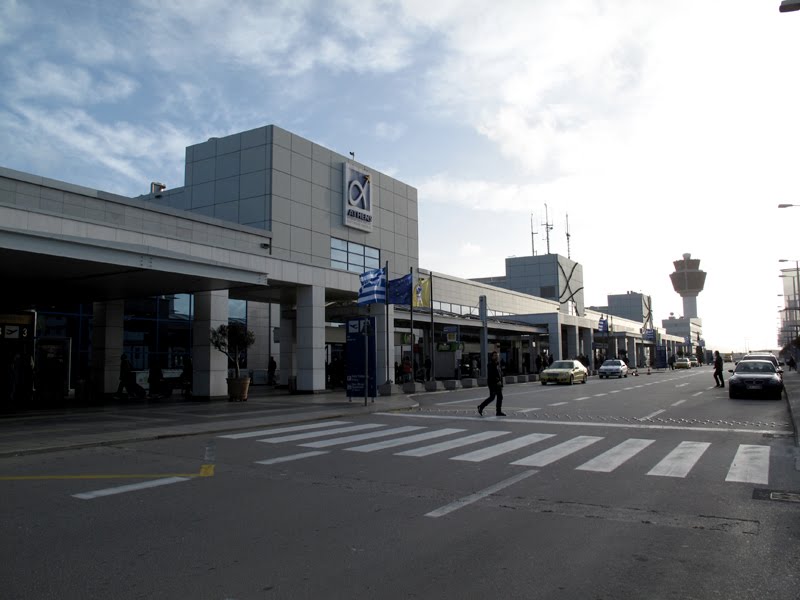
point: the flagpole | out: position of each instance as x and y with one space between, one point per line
413 372
433 337
387 324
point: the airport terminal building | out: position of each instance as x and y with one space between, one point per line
273 231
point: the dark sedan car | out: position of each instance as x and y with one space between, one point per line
755 379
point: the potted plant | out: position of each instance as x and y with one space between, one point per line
233 340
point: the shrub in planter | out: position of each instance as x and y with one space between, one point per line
233 340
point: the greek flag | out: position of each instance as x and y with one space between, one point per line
373 287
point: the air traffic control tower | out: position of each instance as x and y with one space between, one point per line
688 280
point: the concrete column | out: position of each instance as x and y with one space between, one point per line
287 338
107 337
634 360
258 353
310 338
587 336
554 329
572 341
210 366
380 344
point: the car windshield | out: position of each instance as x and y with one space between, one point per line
612 363
562 364
755 366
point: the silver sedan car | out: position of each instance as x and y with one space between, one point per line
613 368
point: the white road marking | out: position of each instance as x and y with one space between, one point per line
678 402
449 445
133 487
591 424
551 455
557 404
360 437
458 401
313 434
750 465
653 414
283 459
599 395
440 512
582 398
697 394
681 385
503 448
611 459
263 432
681 460
527 410
614 391
411 439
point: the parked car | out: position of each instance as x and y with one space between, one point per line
755 379
764 356
613 368
694 362
683 363
564 371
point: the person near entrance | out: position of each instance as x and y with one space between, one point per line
718 370
127 379
272 366
494 378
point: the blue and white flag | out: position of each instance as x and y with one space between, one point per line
373 287
400 290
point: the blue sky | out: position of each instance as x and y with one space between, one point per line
658 127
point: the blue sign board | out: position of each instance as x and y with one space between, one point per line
603 325
649 334
361 355
660 357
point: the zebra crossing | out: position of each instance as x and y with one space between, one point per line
750 464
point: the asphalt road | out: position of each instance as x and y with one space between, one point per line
650 487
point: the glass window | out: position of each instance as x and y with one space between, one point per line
237 310
339 265
338 244
355 269
355 248
371 263
372 252
339 255
355 260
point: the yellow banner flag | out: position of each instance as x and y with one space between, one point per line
422 292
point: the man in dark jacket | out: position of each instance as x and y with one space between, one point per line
718 370
494 378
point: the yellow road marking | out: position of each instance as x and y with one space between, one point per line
205 471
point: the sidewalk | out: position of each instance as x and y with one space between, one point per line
48 431
791 384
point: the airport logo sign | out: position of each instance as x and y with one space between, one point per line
357 208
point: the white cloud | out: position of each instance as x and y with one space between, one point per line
390 131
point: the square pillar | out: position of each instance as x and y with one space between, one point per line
287 337
383 351
634 360
587 341
572 341
310 353
107 338
210 366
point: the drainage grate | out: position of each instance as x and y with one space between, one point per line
778 495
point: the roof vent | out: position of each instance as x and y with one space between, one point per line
156 188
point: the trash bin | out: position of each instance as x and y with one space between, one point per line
292 384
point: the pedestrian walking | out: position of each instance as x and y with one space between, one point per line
672 362
272 366
127 379
494 378
718 370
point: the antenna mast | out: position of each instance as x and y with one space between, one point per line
547 227
533 233
568 256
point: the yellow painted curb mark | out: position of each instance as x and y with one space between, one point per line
205 471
